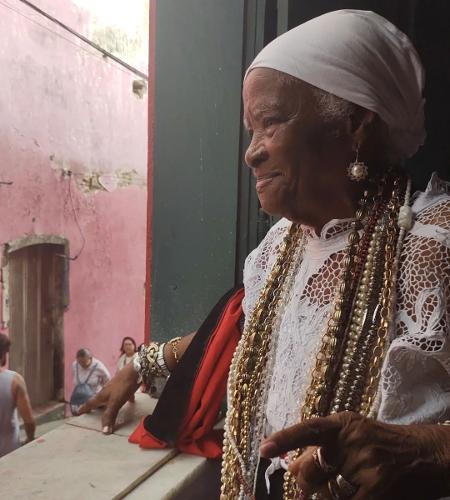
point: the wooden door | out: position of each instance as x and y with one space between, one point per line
36 277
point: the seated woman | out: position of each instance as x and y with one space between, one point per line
347 299
127 351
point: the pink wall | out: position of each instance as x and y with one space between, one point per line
64 107
66 11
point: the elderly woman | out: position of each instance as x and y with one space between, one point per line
347 299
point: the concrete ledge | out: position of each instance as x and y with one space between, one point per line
54 410
185 477
76 461
71 463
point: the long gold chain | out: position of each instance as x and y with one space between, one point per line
358 328
317 396
247 374
321 389
387 303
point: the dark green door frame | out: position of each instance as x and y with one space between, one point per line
206 216
260 27
250 218
196 159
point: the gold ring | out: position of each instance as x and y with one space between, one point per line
340 488
322 463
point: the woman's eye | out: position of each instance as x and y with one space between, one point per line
268 122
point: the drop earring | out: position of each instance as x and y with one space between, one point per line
357 170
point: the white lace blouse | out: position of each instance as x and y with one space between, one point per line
415 383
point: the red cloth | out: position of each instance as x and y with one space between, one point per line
197 435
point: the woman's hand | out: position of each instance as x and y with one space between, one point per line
114 395
369 459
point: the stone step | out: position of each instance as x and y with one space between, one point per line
53 410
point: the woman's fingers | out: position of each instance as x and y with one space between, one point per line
336 435
113 405
308 473
96 401
370 481
368 455
114 395
314 432
109 415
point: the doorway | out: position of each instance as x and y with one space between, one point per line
36 281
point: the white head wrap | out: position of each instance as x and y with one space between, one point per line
362 58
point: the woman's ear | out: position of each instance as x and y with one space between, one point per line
359 124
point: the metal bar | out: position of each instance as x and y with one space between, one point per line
84 39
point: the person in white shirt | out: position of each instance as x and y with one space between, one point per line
128 349
87 369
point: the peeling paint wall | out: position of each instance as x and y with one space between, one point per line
73 142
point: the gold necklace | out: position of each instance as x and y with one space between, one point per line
247 373
366 369
333 368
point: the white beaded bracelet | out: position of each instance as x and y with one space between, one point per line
160 361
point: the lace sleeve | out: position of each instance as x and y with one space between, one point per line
416 375
259 262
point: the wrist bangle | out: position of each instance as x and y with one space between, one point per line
136 363
174 344
148 360
137 367
161 361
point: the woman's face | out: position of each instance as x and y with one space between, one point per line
85 361
128 347
298 162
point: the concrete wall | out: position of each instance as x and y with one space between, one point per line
64 107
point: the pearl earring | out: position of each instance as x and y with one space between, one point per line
357 170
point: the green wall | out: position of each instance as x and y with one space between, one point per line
199 51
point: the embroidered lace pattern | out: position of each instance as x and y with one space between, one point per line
415 384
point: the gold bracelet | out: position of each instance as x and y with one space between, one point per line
174 344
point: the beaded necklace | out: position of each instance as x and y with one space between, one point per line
348 363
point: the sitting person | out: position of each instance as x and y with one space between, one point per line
127 351
89 370
13 398
346 301
89 376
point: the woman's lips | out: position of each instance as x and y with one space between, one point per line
264 180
